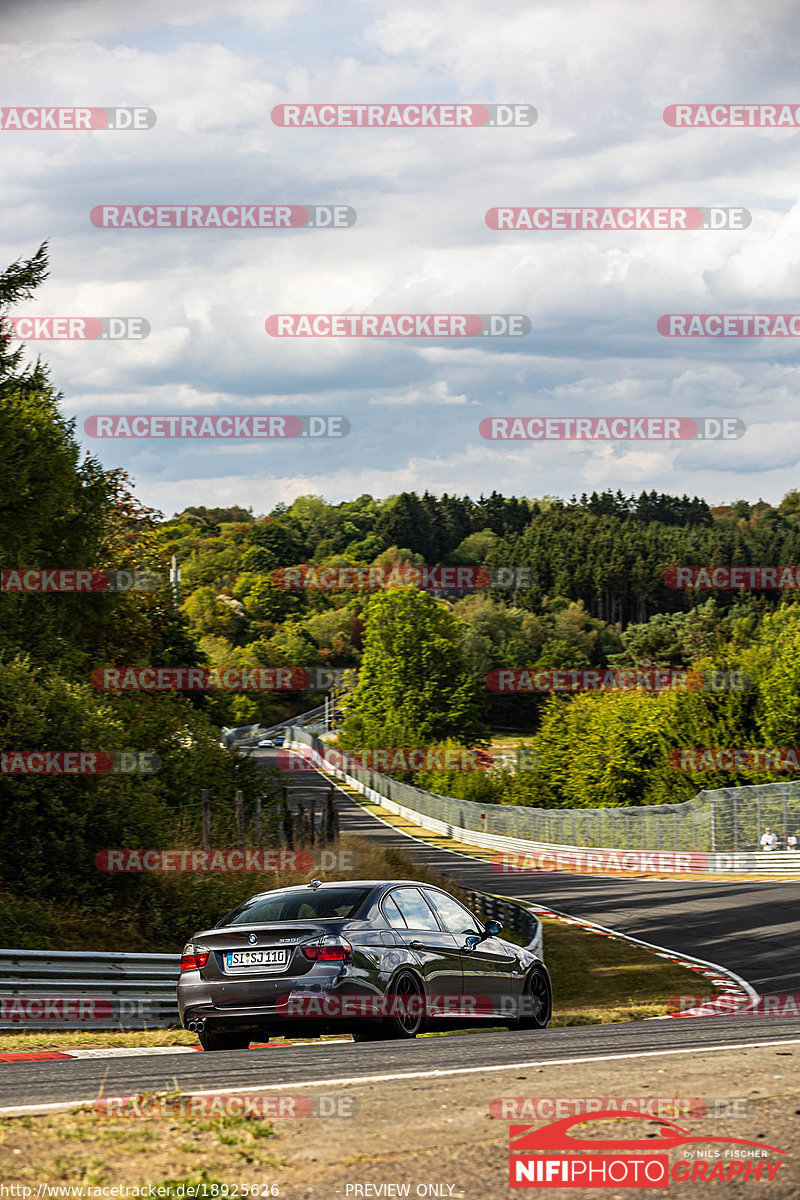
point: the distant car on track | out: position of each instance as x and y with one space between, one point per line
373 958
265 742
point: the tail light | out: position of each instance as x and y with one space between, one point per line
332 949
192 958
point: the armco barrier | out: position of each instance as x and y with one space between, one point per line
512 916
78 989
504 827
242 736
84 990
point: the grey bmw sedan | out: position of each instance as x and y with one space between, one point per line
376 959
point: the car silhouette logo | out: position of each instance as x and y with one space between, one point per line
252 938
556 1136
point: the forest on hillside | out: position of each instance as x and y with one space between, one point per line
589 590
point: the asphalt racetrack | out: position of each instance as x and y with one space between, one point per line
750 928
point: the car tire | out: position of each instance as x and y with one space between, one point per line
537 1000
223 1041
405 989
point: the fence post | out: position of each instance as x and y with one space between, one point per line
206 819
258 821
286 820
240 819
330 816
736 823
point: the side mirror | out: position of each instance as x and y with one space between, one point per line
490 929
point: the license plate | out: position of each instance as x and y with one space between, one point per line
242 959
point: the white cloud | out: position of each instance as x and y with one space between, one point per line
600 73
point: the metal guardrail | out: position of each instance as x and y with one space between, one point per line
84 990
517 829
247 735
512 916
79 989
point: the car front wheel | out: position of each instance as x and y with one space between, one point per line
536 1001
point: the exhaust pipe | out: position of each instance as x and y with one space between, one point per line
196 1026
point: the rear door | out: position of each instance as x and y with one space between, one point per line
434 950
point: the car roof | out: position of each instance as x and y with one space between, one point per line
340 883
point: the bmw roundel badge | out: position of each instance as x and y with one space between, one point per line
252 938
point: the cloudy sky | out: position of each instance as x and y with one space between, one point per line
599 75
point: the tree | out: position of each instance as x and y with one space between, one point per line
53 505
405 521
272 545
211 615
415 687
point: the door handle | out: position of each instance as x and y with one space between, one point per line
416 944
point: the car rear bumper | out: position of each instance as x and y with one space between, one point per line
286 1001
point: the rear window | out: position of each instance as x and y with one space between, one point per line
303 905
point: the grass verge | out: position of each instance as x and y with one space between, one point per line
83 1150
